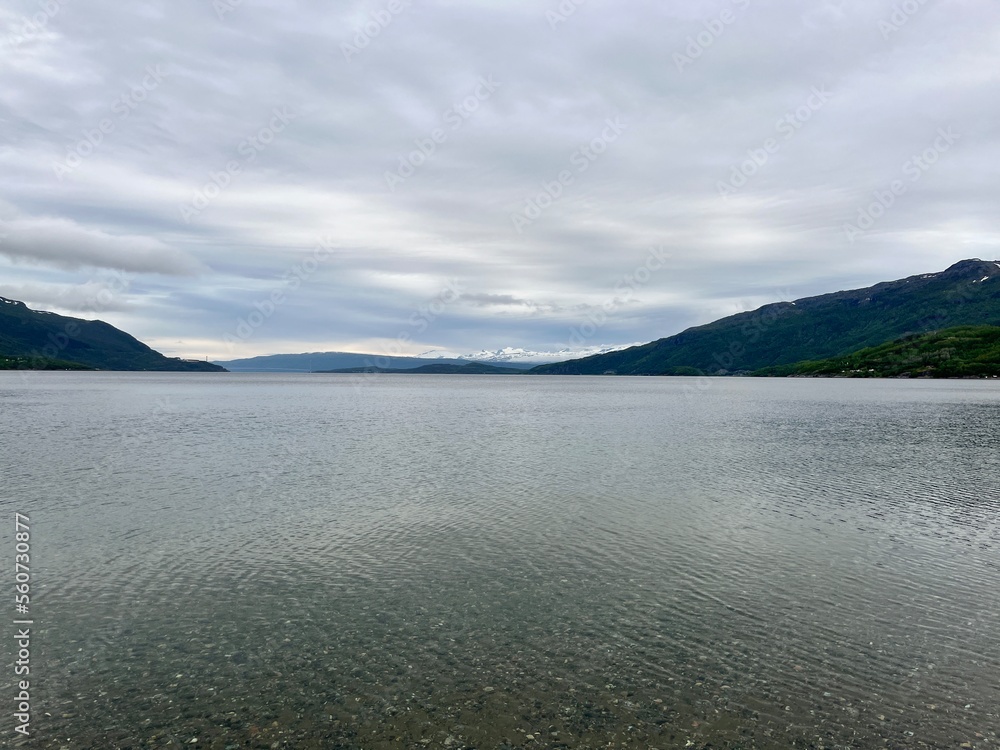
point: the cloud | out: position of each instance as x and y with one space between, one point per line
708 93
94 297
64 244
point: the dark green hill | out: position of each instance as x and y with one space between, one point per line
35 338
34 363
473 368
813 328
960 352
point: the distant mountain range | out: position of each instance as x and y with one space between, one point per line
38 340
812 328
514 356
329 361
470 368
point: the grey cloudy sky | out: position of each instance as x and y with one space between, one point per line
233 178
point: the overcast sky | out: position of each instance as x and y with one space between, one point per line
241 177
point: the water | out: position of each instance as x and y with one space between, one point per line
456 561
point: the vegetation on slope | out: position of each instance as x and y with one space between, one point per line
36 338
959 352
813 328
28 363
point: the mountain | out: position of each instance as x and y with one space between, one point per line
812 328
34 363
35 339
513 356
471 368
328 361
521 359
960 352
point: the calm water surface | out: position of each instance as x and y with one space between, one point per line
318 561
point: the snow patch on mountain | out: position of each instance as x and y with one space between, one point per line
517 354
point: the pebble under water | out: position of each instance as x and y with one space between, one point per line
334 561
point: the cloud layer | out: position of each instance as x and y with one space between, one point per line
322 177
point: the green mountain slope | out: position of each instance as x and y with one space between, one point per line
35 338
960 352
813 328
34 363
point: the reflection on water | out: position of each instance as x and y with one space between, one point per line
508 562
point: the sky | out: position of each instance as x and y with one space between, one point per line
228 178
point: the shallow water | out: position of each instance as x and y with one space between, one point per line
388 561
